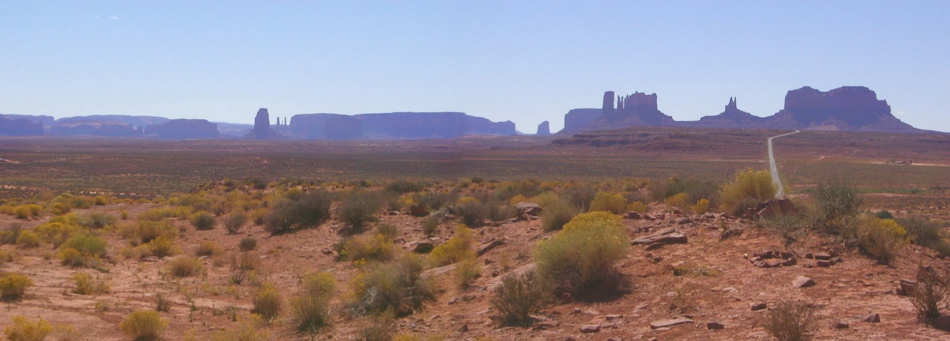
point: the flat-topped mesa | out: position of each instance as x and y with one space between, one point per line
608 105
844 108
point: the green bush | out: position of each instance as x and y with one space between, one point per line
207 249
202 221
143 325
161 247
472 211
396 286
247 244
268 302
517 298
748 185
926 233
791 321
556 214
146 230
311 308
13 286
22 329
28 239
403 187
930 293
430 224
608 202
387 230
357 209
580 195
11 234
185 266
87 244
458 248
57 231
837 204
246 330
367 248
294 213
467 271
880 239
580 258
96 220
86 285
694 189
235 221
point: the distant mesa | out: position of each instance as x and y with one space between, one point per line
18 125
181 129
849 108
544 129
395 126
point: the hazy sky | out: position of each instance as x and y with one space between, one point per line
506 60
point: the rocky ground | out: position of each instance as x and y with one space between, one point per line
704 277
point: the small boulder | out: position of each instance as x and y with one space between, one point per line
482 249
633 215
759 306
590 328
872 318
528 209
714 326
803 282
906 287
841 325
423 247
669 323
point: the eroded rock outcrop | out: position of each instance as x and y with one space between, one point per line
19 126
184 129
261 130
396 125
844 108
731 117
636 109
544 129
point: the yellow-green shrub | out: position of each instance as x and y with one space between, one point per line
202 220
185 266
457 248
86 285
13 285
143 325
57 231
367 248
637 206
556 214
268 302
580 258
467 271
608 202
24 329
311 306
880 239
748 186
701 206
28 239
396 286
680 200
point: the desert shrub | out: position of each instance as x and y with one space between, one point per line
162 303
206 248
884 214
556 214
294 213
467 271
143 325
430 224
580 195
162 213
71 257
381 329
525 188
747 185
837 205
637 206
694 189
202 220
387 230
472 211
87 285
13 286
23 329
926 233
546 198
28 239
457 248
395 286
268 302
247 244
701 206
6 256
10 235
161 247
608 202
357 209
880 239
367 248
146 231
311 308
930 293
791 321
679 200
96 220
498 211
87 244
185 266
517 298
580 258
235 221
248 329
57 231
403 187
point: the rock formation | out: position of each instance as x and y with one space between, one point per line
262 129
632 110
731 117
544 129
11 125
397 125
845 108
184 129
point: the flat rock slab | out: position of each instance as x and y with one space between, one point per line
803 282
664 237
669 323
482 249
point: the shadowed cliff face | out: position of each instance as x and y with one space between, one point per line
544 129
184 129
637 109
401 125
19 126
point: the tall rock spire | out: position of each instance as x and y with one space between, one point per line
262 124
608 101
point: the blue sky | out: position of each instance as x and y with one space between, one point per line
525 61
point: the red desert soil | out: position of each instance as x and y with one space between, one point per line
720 286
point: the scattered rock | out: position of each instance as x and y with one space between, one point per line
729 233
464 328
664 237
526 209
489 245
714 326
611 317
590 328
942 323
906 287
802 282
771 259
423 247
872 318
822 256
759 306
841 325
633 215
669 323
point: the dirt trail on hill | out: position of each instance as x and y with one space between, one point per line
780 194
